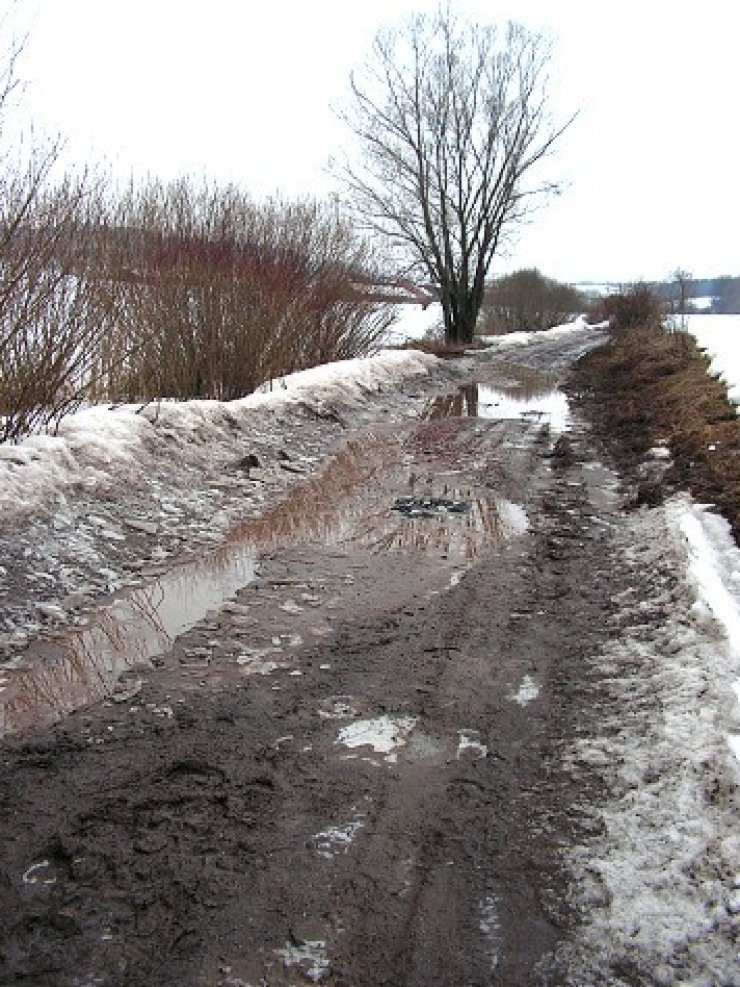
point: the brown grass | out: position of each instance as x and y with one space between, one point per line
647 386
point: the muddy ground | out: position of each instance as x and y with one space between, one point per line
352 773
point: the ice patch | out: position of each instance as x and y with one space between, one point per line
470 741
385 734
527 691
309 955
490 926
337 839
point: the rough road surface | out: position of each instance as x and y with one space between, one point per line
362 769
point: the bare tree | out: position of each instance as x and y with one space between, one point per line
682 281
451 118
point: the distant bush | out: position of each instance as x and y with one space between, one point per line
635 308
527 300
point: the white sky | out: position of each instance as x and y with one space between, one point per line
242 90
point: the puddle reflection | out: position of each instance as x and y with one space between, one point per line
348 504
533 396
129 633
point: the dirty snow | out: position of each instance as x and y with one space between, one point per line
489 924
309 956
385 734
469 742
528 691
99 447
659 887
337 839
514 339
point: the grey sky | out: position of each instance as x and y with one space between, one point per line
243 90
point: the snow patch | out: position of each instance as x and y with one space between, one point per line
309 956
528 691
513 517
337 839
719 336
469 740
385 734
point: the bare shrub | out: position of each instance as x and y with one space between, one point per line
527 300
52 317
637 307
223 294
54 311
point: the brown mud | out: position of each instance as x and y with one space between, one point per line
351 772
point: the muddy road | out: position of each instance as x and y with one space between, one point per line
331 750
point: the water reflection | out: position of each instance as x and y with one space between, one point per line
133 630
348 504
462 404
532 396
459 537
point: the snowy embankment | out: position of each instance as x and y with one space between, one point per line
99 447
660 884
719 336
103 446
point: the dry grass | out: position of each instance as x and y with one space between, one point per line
647 386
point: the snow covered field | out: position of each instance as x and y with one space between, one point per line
719 335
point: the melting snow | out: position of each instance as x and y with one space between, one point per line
490 926
470 741
662 869
100 446
337 839
385 734
527 691
309 955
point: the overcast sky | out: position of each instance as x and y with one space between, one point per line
242 90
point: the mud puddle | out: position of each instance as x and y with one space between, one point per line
86 664
527 396
351 504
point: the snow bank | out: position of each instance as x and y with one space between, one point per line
99 447
719 336
527 338
661 884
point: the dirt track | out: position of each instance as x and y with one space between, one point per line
226 824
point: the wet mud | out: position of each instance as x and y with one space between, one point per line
348 769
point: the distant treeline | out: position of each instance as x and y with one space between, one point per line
724 292
720 295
